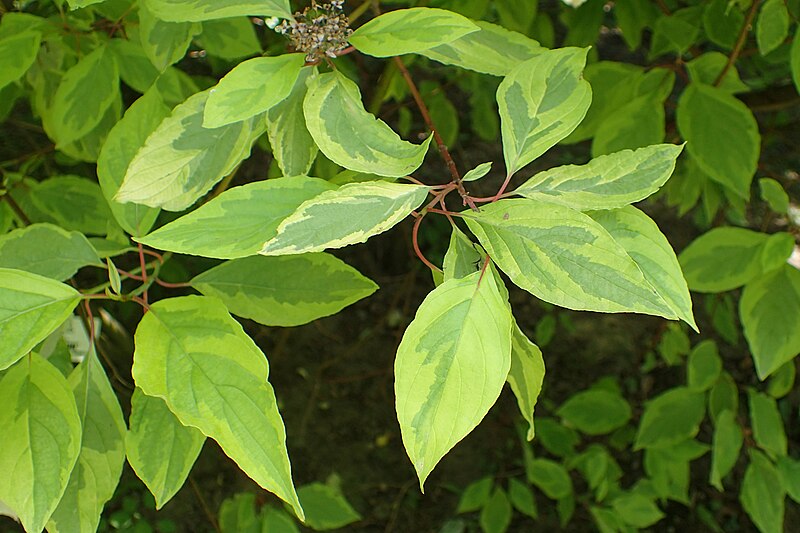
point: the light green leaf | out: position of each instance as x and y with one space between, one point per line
350 136
164 43
722 136
703 367
768 430
636 124
670 418
790 475
772 192
652 253
606 182
550 477
348 215
707 67
76 4
198 10
135 68
276 521
239 221
124 140
251 88
563 257
477 172
772 26
451 366
326 507
522 498
782 381
292 145
41 439
541 101
406 31
72 202
17 54
181 160
726 446
595 411
526 375
496 514
637 510
46 250
285 291
230 39
31 308
770 311
191 353
762 494
86 91
722 22
160 449
492 50
462 257
723 395
475 495
102 455
237 514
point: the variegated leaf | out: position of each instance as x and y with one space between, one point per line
292 145
199 10
526 375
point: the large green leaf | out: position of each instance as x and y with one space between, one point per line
492 50
181 160
607 181
87 90
285 291
164 43
239 221
72 202
31 308
526 375
191 353
541 101
640 237
772 27
160 449
722 136
670 418
595 411
451 366
198 10
564 257
350 136
348 215
292 145
46 250
96 474
251 88
726 446
770 311
17 54
41 439
762 494
406 31
124 140
767 424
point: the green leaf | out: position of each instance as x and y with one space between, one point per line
462 257
492 50
189 348
46 250
41 439
637 124
102 454
723 395
407 31
637 510
652 253
762 494
789 470
595 411
475 495
550 477
181 160
239 221
292 145
285 291
770 311
198 10
237 514
348 215
276 521
772 27
31 308
72 202
230 39
708 66
727 444
522 498
160 449
135 68
326 507
87 90
782 381
768 430
17 54
541 101
477 172
526 375
564 257
722 136
794 59
606 182
772 192
251 88
122 143
496 514
704 366
451 366
350 136
722 22
670 418
164 43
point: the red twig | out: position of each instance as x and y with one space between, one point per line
415 241
172 285
143 265
90 319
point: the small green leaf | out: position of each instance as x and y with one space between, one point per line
348 215
292 145
722 21
237 514
637 510
198 10
670 418
551 478
772 192
789 470
230 39
782 381
46 250
496 514
475 495
462 257
526 375
477 172
723 395
704 366
326 507
41 439
276 521
164 43
522 498
31 308
17 54
350 136
408 31
727 444
768 430
595 411
762 494
706 68
772 26
451 366
285 291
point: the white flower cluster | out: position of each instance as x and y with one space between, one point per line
320 30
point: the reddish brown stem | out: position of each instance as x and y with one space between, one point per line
90 319
737 48
17 209
415 241
143 265
172 285
502 189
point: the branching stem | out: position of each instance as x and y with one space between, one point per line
737 48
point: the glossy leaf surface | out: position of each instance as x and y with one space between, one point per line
198 10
